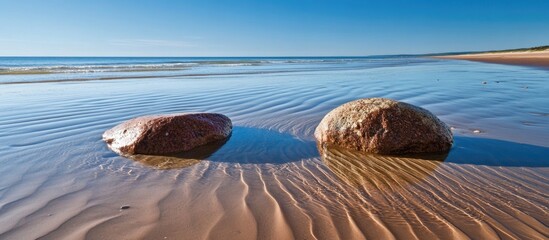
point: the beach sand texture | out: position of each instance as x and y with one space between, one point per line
527 58
268 181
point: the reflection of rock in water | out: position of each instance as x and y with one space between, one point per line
378 171
179 160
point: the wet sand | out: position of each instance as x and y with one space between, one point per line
538 59
269 181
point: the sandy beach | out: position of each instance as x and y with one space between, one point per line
525 58
269 181
274 120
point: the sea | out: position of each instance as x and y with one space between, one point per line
39 69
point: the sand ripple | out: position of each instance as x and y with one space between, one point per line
60 181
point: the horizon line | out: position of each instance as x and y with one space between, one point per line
243 56
294 56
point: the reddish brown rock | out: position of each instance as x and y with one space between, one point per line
385 126
163 134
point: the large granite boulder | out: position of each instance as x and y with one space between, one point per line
164 134
384 126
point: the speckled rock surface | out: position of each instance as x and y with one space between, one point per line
163 134
384 126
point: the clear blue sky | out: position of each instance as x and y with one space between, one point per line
267 28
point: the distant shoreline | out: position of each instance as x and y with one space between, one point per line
523 58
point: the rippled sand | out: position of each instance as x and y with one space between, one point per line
269 181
